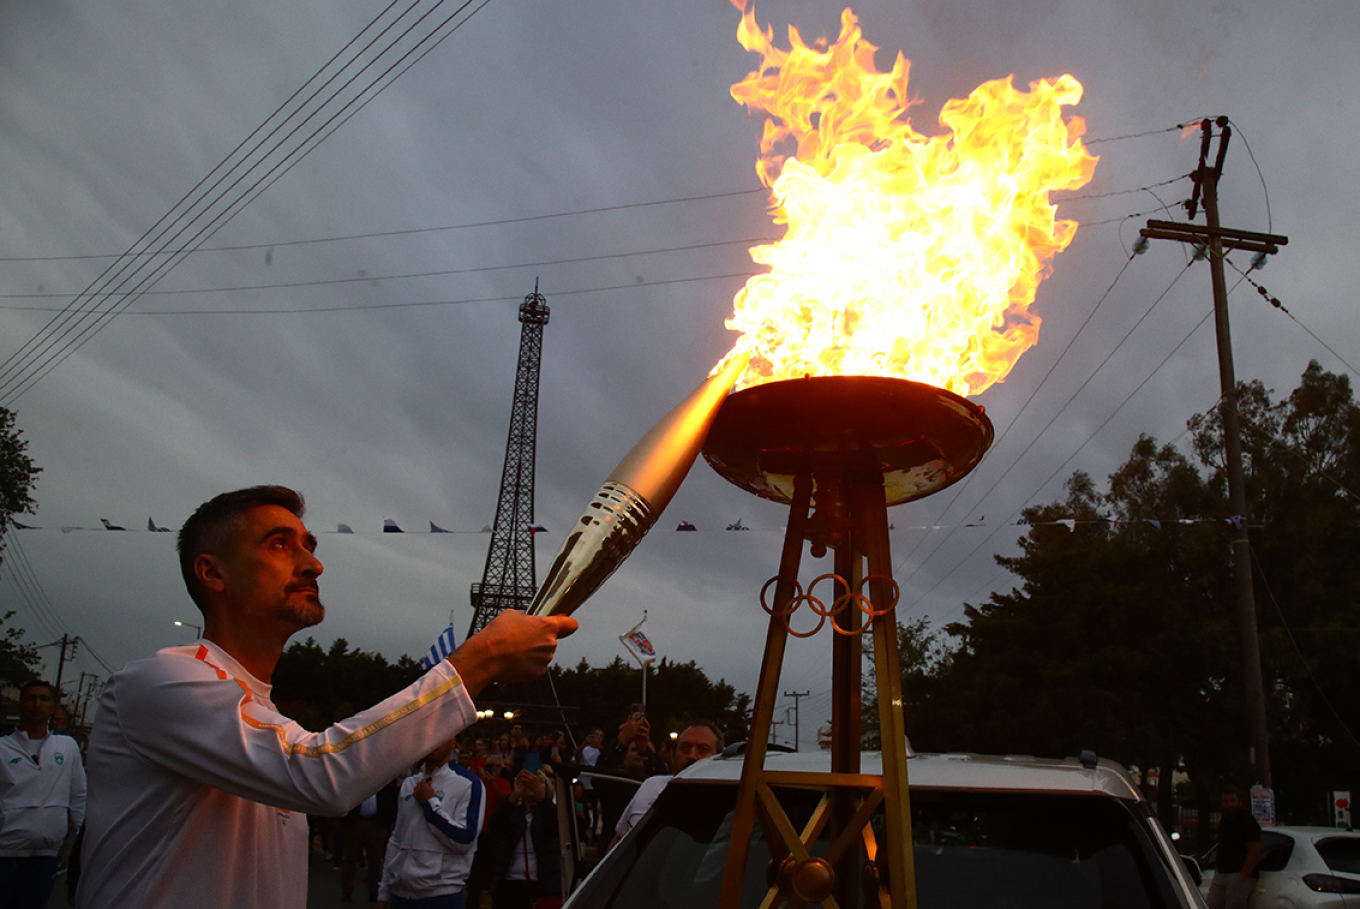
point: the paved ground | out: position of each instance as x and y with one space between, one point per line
323 890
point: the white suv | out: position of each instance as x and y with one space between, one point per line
1012 832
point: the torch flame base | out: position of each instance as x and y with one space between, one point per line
916 437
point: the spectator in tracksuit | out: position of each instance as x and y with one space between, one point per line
430 852
42 798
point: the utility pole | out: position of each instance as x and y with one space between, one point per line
76 706
1218 239
774 730
796 695
66 641
89 693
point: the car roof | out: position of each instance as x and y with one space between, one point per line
1314 833
1012 772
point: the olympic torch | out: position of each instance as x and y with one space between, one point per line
633 497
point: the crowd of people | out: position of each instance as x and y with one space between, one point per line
201 793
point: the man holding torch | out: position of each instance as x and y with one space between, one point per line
199 788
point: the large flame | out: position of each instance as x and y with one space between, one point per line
905 255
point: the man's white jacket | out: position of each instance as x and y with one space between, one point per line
38 796
199 786
433 842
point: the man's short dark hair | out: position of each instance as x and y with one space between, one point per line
39 683
705 724
213 526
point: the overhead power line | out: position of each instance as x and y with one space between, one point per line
1069 458
359 279
1179 127
1077 451
963 487
498 222
573 260
1119 192
359 307
26 581
1275 302
31 591
236 181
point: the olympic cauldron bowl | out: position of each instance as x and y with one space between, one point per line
920 438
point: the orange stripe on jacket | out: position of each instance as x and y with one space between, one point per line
328 748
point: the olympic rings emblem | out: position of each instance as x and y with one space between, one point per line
838 606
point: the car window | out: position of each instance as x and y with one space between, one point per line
1276 848
1341 853
1025 850
1022 851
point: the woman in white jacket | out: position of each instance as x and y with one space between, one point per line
430 852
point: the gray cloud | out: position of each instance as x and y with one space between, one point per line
110 113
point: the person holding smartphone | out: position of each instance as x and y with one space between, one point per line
633 731
526 872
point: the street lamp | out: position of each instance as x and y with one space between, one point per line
197 628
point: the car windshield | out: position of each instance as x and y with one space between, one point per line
1018 850
1341 853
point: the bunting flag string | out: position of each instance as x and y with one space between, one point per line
685 526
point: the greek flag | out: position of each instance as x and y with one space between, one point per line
439 650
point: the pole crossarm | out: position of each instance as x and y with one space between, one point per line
1229 238
1199 240
1224 232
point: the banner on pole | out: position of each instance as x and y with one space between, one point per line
639 644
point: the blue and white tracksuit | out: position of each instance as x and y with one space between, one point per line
432 844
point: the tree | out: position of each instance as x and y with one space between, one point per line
17 473
1304 457
319 687
1096 649
18 659
921 654
677 695
1122 636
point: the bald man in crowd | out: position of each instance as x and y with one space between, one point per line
697 742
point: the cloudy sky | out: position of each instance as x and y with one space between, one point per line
375 373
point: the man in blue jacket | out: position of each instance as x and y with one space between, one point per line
439 816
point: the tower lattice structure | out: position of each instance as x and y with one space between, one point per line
509 581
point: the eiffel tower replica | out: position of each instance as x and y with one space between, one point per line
509 581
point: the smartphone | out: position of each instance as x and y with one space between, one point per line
532 762
638 708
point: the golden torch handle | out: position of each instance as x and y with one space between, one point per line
633 496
